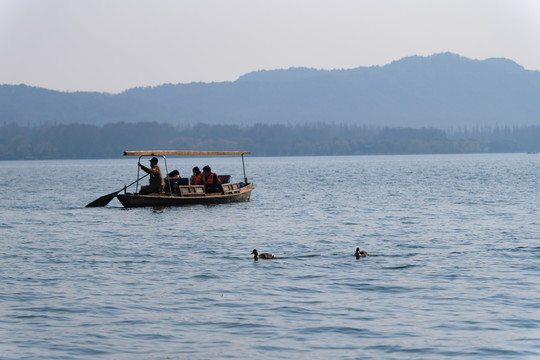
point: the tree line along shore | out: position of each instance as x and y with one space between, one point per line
81 141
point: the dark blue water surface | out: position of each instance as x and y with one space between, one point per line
454 270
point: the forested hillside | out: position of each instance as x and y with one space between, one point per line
442 91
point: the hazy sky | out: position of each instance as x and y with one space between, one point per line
113 45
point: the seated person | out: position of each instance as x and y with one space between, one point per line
174 174
172 182
196 177
210 181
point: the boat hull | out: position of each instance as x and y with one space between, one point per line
166 200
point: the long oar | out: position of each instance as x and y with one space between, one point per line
105 199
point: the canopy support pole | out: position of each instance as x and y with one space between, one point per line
244 167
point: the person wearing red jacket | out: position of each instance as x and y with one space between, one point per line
196 177
210 181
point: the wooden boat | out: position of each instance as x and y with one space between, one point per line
189 195
178 190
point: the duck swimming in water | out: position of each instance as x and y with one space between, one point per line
257 256
360 253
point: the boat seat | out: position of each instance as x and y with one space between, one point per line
230 188
191 190
179 181
223 179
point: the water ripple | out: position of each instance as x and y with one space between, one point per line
452 271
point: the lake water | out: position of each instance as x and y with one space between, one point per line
454 270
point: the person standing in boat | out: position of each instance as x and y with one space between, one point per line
210 181
157 184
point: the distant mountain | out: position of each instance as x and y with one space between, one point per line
441 91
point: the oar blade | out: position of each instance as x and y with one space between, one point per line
103 201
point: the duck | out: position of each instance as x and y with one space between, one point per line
360 253
257 256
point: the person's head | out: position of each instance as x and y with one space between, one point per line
153 161
207 169
196 170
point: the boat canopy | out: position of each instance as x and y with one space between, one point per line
183 152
